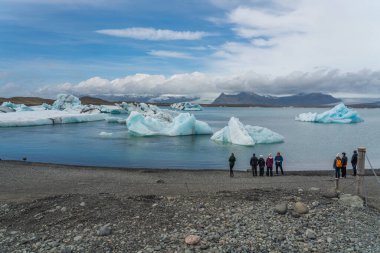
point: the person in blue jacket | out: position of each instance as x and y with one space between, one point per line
278 160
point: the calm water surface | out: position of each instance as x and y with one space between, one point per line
306 146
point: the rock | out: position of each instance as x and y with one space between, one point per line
63 209
66 249
351 200
300 190
315 204
205 247
295 214
314 189
192 239
329 239
310 234
301 208
160 181
77 238
104 230
332 193
281 208
82 204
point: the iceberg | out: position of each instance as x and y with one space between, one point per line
149 110
105 134
46 117
16 107
186 106
183 124
237 133
339 114
66 102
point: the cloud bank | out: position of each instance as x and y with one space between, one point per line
206 85
141 33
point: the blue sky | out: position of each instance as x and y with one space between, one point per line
200 47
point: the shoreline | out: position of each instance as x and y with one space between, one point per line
327 172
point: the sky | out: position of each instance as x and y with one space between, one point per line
189 47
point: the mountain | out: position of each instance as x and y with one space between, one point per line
29 101
301 99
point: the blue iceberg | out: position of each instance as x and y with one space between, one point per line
183 124
339 114
67 102
239 134
16 107
186 106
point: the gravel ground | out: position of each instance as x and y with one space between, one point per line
242 221
54 208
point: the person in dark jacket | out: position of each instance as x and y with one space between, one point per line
337 166
254 162
344 164
354 162
269 163
261 163
278 160
232 160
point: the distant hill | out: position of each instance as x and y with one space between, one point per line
167 99
30 101
87 100
301 99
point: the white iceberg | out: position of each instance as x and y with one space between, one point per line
183 124
16 107
339 114
186 106
46 117
239 134
149 110
67 102
105 134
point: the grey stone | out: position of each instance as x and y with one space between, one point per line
281 208
310 234
104 230
301 208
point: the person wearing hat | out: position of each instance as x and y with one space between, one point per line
279 159
231 161
344 164
337 165
254 162
269 164
354 162
261 165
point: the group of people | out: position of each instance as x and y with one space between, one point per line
340 164
259 162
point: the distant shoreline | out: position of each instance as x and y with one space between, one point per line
32 101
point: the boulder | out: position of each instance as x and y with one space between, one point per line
192 239
281 208
301 208
351 200
332 193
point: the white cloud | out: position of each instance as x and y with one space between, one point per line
326 81
142 33
170 54
303 36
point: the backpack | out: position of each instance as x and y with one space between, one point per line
338 163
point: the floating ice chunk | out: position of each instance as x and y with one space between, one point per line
237 133
5 109
65 102
339 114
186 106
46 117
149 110
116 120
16 107
105 134
112 109
183 124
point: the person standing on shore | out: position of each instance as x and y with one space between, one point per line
254 162
232 160
354 162
337 166
261 163
344 164
278 160
269 164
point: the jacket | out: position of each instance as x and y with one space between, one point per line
269 162
279 159
261 162
354 159
232 159
254 161
344 161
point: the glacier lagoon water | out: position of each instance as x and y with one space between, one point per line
307 146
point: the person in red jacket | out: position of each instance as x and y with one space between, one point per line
269 164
